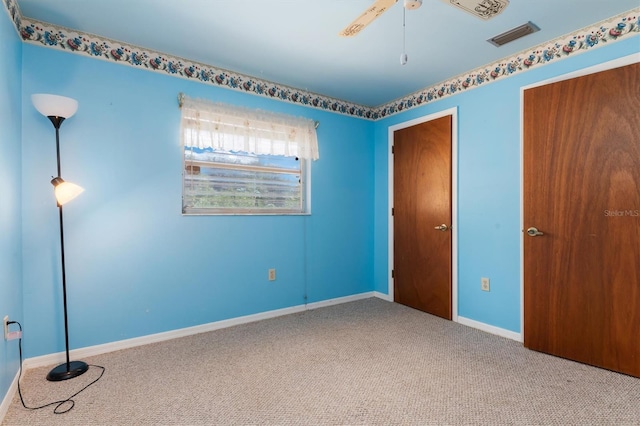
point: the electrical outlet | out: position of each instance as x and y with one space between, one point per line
484 284
272 274
6 326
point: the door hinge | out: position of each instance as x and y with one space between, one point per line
393 273
393 211
393 149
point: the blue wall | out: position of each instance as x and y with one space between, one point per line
10 195
488 187
135 265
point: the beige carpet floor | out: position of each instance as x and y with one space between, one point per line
363 363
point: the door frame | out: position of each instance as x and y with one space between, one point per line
615 63
453 112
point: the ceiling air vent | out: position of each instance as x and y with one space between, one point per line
514 34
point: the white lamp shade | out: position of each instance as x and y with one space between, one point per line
54 105
66 191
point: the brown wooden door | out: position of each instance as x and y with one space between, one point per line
422 201
582 190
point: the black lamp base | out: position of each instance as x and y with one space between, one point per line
61 372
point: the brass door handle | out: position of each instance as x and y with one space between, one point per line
533 232
442 227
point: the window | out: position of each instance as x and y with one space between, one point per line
240 161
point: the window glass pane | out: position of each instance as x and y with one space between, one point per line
217 181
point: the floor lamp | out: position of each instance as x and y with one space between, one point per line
57 109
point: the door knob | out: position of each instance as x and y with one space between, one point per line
442 227
533 232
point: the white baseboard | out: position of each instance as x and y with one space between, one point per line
8 397
469 322
59 357
490 329
382 296
339 300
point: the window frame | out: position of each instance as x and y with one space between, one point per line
225 131
305 192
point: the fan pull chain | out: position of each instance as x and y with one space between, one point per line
403 57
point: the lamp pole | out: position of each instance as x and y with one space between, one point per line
69 369
57 109
57 121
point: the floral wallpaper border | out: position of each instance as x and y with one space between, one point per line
57 37
598 35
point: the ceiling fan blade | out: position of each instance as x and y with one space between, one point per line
483 9
369 15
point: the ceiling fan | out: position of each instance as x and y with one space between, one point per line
484 9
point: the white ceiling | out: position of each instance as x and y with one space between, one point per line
296 42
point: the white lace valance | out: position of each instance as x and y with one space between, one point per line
231 128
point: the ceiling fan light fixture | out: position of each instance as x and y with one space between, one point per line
412 4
